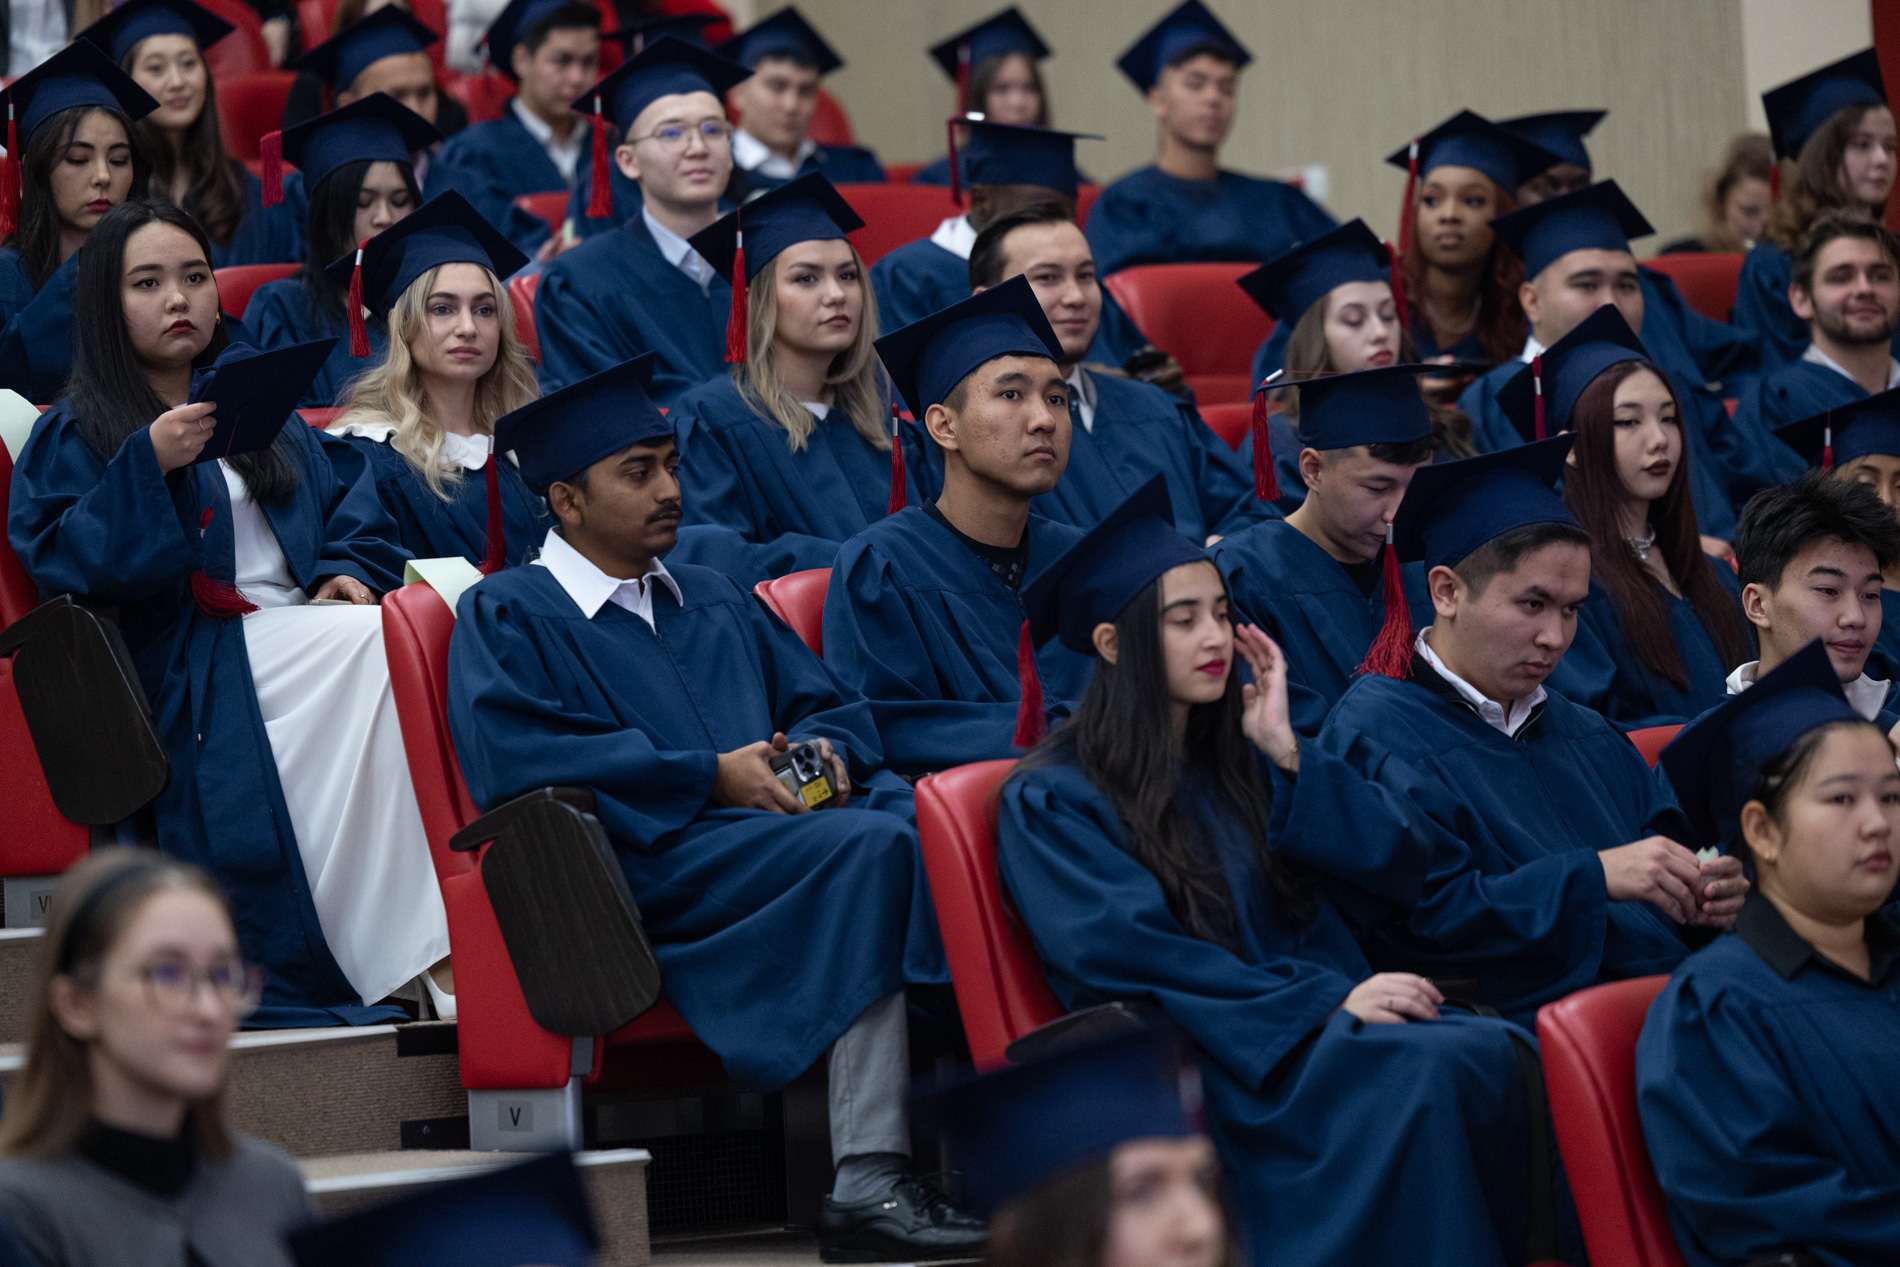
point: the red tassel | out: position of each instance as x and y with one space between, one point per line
1397 282
10 178
899 495
956 175
963 88
270 148
741 313
219 599
1031 723
1266 484
1537 391
497 535
1407 230
600 194
1391 652
1774 181
1827 442
359 333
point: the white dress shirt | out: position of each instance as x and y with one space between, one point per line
679 252
956 236
591 589
1487 708
1815 356
1864 694
1082 399
1532 349
753 155
565 155
36 29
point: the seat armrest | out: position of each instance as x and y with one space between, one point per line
496 821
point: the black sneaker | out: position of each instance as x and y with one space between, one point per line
916 1221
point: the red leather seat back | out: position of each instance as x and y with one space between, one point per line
1651 740
830 125
1197 313
239 282
1085 196
551 207
900 173
1707 280
798 599
521 296
243 51
249 106
1230 422
1001 991
313 21
1589 1049
895 215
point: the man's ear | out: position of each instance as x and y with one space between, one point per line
1801 301
626 158
1527 299
1312 468
564 503
1107 642
942 426
1755 604
1154 98
1447 590
521 59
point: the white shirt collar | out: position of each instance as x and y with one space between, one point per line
1532 349
566 155
819 409
752 154
591 589
1815 356
956 236
1082 398
1864 694
678 251
468 452
1493 713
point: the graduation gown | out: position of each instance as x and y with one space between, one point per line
927 633
36 346
120 534
491 164
1149 217
1800 389
1318 1117
1603 673
1516 897
1764 1077
774 931
428 526
1884 661
1762 312
1303 599
281 314
1140 431
609 300
264 235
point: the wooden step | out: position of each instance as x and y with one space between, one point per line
615 1181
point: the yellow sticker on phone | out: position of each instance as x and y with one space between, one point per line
815 793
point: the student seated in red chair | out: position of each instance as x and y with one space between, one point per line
784 933
772 144
1764 1074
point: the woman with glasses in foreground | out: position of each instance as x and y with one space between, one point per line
114 1141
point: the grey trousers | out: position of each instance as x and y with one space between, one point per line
870 1069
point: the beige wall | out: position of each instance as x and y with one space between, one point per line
1343 82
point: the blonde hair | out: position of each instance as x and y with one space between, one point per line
392 393
47 1111
856 376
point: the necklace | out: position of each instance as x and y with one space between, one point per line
1643 544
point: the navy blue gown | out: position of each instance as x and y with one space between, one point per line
1604 674
1343 1142
491 164
1516 898
612 298
282 313
1799 389
1884 661
1762 312
430 527
839 164
1149 217
774 931
264 235
920 626
1764 1077
120 533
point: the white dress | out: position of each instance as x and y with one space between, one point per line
322 682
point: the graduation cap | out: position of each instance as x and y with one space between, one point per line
928 358
1556 377
1014 1129
1715 762
77 75
1798 108
785 33
1190 27
536 1212
513 21
1599 218
690 27
1375 406
375 129
1014 154
1290 283
255 393
1858 429
1468 139
1451 509
120 31
1560 131
565 432
747 239
667 66
388 32
998 35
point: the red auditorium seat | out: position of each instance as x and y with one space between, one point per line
1085 196
551 207
313 22
897 214
1707 281
1651 740
521 294
798 599
1229 421
483 95
1196 312
900 173
238 283
1589 1050
249 106
1001 991
830 125
243 51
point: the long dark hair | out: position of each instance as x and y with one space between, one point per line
333 229
38 238
1120 738
112 395
984 73
1817 184
1500 327
215 195
1594 494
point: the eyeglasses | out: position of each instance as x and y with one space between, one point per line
173 986
674 136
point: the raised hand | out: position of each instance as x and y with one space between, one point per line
1264 718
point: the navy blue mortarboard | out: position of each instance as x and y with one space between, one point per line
1861 428
512 23
1375 406
1290 283
255 392
1539 398
1715 763
804 210
388 32
444 230
1191 26
563 433
785 33
1799 107
1470 140
690 27
376 129
1017 154
1560 131
998 35
1599 218
667 66
535 1212
1014 1129
928 358
77 75
120 31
